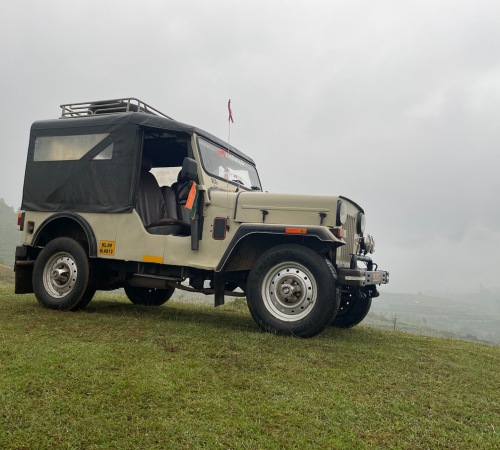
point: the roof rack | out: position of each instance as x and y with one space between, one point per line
119 105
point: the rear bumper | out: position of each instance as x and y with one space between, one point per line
362 277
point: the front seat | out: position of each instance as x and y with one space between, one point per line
151 206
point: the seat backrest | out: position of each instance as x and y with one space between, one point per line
181 191
188 173
150 202
170 202
183 213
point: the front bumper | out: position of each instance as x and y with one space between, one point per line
362 277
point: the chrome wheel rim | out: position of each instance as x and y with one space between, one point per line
60 275
289 291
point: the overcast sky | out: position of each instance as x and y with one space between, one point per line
394 104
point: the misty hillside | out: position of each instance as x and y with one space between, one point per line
9 234
474 316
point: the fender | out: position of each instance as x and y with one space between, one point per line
74 217
306 231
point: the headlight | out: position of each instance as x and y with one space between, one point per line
367 244
371 244
341 213
361 223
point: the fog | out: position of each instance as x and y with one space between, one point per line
392 104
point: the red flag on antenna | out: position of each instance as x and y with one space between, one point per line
230 112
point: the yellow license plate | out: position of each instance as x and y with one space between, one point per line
107 248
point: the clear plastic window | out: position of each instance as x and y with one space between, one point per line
107 153
69 148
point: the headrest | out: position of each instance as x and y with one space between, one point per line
189 171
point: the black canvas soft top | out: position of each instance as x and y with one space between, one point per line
93 182
141 119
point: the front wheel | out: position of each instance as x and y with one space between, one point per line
148 296
353 309
61 274
289 290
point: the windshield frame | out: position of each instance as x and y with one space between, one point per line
246 165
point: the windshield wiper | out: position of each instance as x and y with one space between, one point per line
256 188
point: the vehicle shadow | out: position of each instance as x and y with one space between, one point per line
229 316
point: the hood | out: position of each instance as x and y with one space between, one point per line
258 207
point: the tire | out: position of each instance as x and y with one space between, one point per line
86 299
89 293
304 305
148 296
61 274
91 285
352 311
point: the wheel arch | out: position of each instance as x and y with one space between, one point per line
250 241
66 225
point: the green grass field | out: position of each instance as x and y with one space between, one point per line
190 376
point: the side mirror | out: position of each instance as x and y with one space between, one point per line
189 171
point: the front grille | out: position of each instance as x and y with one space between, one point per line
345 251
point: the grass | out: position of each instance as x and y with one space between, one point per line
6 276
190 376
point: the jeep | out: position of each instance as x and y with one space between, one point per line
119 195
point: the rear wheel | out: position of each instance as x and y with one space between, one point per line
289 290
89 293
353 309
148 296
61 274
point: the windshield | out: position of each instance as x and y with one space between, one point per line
226 166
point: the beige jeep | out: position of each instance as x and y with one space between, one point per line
119 195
